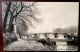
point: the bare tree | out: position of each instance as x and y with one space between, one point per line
21 11
6 16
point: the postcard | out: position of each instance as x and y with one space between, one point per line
40 26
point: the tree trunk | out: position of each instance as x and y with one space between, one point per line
15 30
6 16
11 26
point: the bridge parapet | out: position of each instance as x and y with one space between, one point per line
55 35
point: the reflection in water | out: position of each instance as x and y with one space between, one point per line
64 47
72 47
61 45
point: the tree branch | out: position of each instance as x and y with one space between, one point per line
19 11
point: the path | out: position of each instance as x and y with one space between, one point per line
22 45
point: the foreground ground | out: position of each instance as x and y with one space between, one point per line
23 45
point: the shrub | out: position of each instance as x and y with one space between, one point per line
6 40
13 37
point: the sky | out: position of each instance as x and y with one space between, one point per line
56 15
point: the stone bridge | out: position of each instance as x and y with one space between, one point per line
53 36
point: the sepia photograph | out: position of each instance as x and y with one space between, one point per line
40 26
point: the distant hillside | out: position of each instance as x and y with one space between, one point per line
71 29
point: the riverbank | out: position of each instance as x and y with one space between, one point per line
22 45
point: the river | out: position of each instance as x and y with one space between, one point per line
63 46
